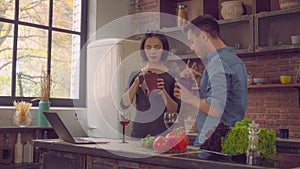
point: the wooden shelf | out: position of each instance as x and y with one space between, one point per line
270 86
234 20
21 166
277 12
260 86
278 48
29 129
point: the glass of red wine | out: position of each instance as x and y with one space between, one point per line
170 119
124 119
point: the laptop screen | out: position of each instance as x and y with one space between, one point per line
58 126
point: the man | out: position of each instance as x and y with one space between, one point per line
223 86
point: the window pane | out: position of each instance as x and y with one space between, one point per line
32 59
7 9
65 65
34 11
67 14
6 46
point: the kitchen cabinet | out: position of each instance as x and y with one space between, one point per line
108 163
58 159
260 29
275 28
58 154
238 33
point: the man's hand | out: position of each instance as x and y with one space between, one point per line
183 93
190 71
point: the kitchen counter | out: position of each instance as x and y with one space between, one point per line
57 153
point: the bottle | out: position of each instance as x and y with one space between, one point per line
132 7
18 150
36 154
28 152
45 135
6 151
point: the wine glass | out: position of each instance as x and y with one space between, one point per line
124 119
170 118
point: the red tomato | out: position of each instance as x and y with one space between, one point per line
178 139
161 144
182 145
170 138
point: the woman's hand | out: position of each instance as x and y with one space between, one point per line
160 84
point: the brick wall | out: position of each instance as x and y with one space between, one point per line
274 108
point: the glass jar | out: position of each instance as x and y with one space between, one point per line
22 119
182 15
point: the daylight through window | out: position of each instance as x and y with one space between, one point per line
37 36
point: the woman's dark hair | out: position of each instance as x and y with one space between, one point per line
163 40
205 23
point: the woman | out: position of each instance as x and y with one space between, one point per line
151 105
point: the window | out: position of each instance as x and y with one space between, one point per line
43 35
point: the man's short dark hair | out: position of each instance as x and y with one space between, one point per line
163 40
205 23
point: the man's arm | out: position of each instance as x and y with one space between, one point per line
200 103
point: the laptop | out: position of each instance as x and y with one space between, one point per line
63 132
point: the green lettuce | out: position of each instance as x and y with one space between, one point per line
237 142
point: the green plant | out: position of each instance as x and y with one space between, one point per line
236 141
266 142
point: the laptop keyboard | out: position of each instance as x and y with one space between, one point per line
82 139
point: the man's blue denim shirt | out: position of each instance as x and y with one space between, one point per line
225 87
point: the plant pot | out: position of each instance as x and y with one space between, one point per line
232 9
44 106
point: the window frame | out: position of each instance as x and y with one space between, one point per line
54 102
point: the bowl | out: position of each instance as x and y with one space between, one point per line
287 4
285 79
258 80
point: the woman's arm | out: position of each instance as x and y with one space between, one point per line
128 96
